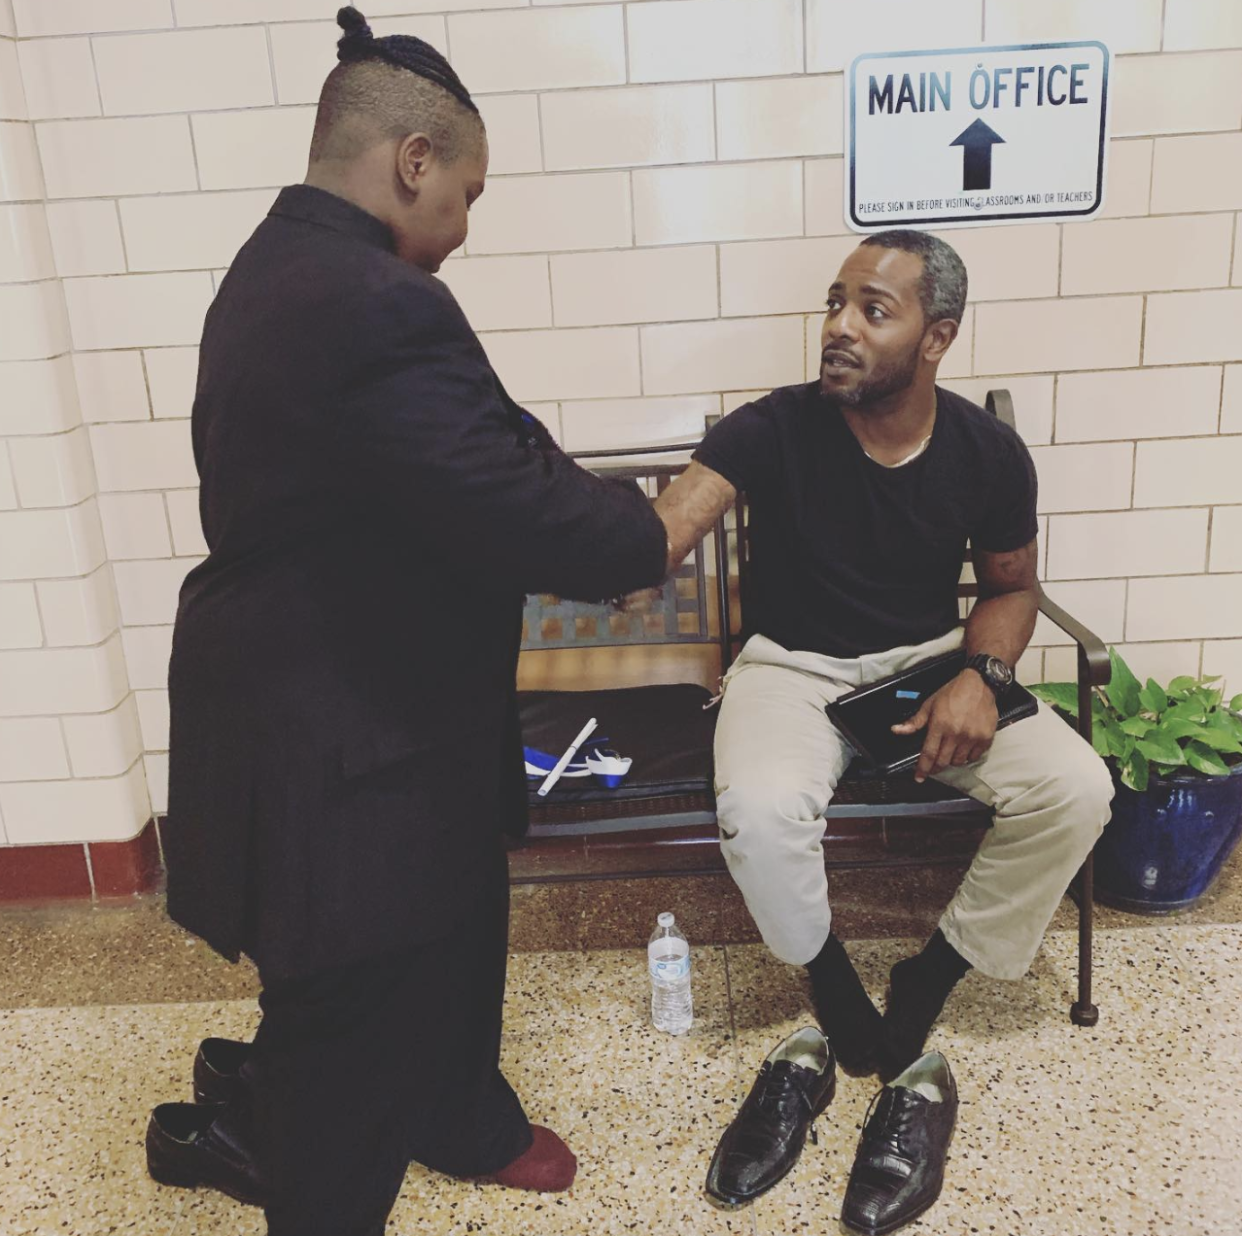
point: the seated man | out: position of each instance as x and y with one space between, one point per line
865 488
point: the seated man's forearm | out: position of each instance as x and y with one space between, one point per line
690 507
1001 626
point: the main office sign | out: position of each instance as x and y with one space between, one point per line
965 136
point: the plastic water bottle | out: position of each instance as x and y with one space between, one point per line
668 959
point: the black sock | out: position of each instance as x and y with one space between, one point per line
919 986
846 1014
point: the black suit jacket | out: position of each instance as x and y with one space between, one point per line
344 744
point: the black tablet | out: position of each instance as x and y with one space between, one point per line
866 716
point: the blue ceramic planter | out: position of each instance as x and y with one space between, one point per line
1163 848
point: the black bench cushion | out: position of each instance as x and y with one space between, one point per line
665 729
668 733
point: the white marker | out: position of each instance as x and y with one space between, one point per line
563 763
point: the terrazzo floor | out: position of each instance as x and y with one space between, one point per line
1131 1127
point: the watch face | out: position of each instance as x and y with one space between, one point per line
999 672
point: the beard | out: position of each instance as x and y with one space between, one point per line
890 378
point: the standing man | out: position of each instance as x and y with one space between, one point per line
345 749
865 488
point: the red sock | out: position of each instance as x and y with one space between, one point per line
549 1166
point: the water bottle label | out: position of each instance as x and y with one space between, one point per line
671 968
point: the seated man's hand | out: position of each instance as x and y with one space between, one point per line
642 602
961 722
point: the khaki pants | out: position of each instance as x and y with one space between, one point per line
778 761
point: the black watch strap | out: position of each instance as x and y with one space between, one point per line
986 667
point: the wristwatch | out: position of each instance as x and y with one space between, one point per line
993 671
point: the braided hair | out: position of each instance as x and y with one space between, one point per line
390 87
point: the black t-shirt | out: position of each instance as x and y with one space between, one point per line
849 557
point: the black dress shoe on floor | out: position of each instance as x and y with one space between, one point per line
190 1145
217 1071
795 1084
899 1168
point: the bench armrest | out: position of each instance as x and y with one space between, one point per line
1094 667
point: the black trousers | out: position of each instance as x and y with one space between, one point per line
355 1072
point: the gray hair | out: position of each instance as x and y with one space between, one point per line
942 285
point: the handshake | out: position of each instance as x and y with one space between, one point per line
643 601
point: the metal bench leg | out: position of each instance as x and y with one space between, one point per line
1083 1012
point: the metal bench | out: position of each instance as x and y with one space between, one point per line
671 787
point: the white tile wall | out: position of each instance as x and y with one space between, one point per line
35 325
39 397
603 424
108 158
1186 327
45 17
501 293
21 176
129 311
20 625
1124 25
32 749
153 718
104 744
533 50
171 377
1226 553
1008 263
134 526
147 590
1042 336
1127 543
147 650
1138 403
148 455
190 232
1224 657
108 809
643 285
1194 24
780 276
737 354
577 364
540 214
838 30
1127 181
784 116
1184 607
12 97
252 149
59 78
1190 252
743 201
156 767
86 238
51 543
185 522
62 680
825 212
1100 604
513 139
56 470
1188 472
78 612
111 386
627 127
25 245
1192 93
1231 401
1196 173
692 40
1032 400
189 70
1074 478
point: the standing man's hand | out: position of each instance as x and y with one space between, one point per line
960 720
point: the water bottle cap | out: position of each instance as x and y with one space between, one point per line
665 919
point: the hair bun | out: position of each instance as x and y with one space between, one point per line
353 23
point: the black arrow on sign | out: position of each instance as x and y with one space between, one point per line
976 143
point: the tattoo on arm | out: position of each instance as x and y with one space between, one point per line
690 506
1015 571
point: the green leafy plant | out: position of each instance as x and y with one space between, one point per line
1146 730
